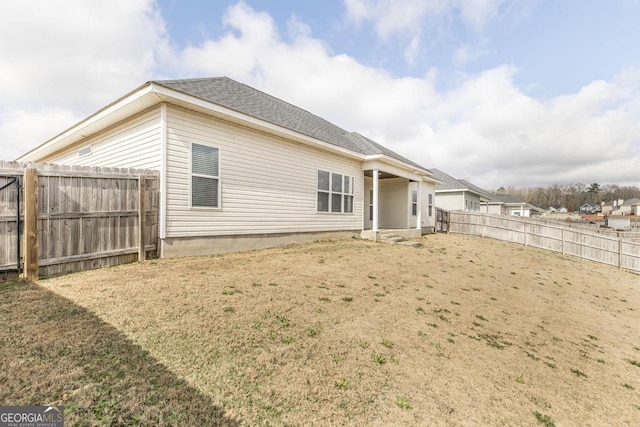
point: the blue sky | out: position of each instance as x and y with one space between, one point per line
501 92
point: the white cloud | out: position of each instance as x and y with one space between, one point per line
412 50
484 125
69 56
23 129
466 53
423 21
485 128
478 13
394 16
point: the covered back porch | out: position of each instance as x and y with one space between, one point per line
395 201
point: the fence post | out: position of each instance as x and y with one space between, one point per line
525 234
562 247
31 224
484 225
620 254
142 217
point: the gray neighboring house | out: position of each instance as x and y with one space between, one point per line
458 194
241 169
506 204
590 208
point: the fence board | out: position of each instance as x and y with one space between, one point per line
579 242
87 217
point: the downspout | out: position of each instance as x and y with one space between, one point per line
163 176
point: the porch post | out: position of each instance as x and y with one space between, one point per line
419 206
375 201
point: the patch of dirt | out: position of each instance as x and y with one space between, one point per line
462 331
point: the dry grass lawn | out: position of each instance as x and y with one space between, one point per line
462 331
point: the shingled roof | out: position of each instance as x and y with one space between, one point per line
252 102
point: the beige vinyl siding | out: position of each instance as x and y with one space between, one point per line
428 188
453 201
133 143
268 185
471 202
394 202
495 209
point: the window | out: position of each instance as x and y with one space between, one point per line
335 192
414 203
205 176
430 204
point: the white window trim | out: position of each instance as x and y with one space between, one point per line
191 174
331 193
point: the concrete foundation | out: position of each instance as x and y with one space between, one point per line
407 233
191 246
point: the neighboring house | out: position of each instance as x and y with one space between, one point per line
458 194
613 207
536 211
506 204
627 207
590 208
557 209
240 169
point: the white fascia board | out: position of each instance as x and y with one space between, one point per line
414 170
169 95
74 133
451 191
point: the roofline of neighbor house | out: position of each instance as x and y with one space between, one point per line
165 95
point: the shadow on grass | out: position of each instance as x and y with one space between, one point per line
55 352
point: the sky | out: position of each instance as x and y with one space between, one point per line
516 93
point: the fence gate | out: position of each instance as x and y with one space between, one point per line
442 221
10 210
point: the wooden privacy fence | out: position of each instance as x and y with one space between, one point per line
622 253
70 218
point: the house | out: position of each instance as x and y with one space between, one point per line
627 207
557 209
590 208
240 169
506 204
613 207
458 194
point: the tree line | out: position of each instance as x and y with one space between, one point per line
572 196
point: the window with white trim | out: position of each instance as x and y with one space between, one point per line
335 192
430 204
205 176
414 203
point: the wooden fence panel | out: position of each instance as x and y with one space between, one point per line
9 232
579 242
86 217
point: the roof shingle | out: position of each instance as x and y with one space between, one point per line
255 103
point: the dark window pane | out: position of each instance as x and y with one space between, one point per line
323 202
336 182
204 160
323 180
336 203
348 204
204 192
348 189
